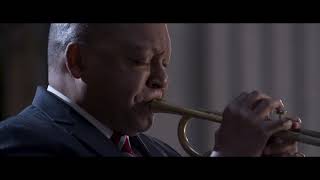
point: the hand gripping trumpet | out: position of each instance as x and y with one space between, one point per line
160 106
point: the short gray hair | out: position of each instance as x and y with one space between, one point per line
60 35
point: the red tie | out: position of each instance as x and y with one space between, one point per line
123 143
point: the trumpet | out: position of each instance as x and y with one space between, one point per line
160 106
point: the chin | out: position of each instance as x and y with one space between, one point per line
144 124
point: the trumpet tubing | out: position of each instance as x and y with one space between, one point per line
160 106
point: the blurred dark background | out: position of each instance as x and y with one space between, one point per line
211 64
23 60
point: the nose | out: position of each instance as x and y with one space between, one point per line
158 78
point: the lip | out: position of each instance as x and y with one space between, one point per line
144 109
147 102
152 96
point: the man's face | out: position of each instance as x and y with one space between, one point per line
124 71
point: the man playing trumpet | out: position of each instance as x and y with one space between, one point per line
102 78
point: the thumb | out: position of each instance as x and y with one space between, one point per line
273 127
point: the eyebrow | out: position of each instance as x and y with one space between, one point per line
141 48
159 52
145 48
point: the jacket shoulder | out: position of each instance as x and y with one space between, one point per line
30 133
30 121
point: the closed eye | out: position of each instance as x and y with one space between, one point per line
139 62
165 63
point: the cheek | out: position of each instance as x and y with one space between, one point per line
133 84
117 82
121 86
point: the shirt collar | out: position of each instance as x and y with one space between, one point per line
102 128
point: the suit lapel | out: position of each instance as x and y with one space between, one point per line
67 118
95 140
148 146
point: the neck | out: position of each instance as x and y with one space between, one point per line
107 118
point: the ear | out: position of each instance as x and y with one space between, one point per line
74 61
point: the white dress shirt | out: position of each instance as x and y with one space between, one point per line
102 128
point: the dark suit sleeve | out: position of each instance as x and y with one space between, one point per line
19 140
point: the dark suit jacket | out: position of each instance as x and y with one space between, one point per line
50 127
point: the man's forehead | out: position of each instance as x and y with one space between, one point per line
131 26
137 37
130 31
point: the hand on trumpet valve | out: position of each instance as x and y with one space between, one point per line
247 127
276 146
